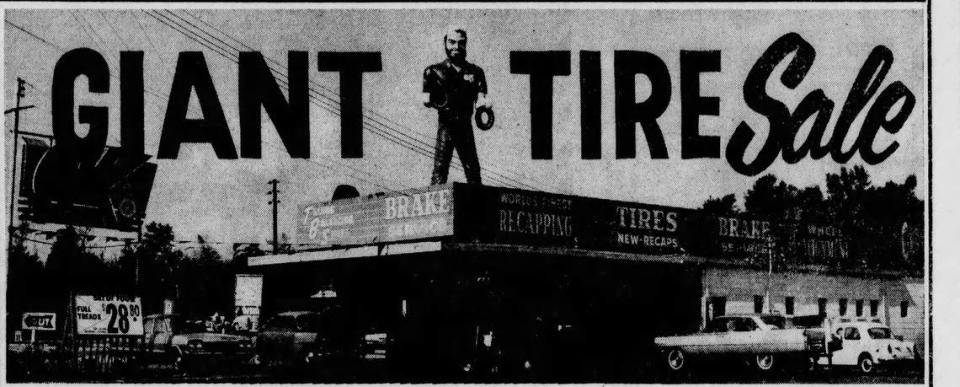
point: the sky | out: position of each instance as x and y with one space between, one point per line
227 201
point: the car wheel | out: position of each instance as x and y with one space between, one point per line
866 364
676 359
764 362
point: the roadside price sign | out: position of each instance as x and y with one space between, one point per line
39 321
108 315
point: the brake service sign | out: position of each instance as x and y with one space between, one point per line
398 216
108 315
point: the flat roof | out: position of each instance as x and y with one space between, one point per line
386 249
401 248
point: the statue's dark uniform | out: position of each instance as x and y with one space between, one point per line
453 94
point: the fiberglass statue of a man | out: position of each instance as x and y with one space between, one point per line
453 87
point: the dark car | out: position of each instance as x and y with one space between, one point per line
303 337
181 343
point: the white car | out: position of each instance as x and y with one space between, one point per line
758 338
867 345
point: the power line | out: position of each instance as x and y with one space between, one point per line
35 36
411 143
372 112
423 145
223 52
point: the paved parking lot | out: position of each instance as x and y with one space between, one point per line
284 375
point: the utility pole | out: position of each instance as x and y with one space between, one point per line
769 274
273 191
16 145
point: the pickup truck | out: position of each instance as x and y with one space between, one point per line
764 340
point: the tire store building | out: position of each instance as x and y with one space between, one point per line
543 287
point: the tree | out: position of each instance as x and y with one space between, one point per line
156 261
874 218
71 265
877 224
845 195
810 205
771 198
24 277
205 283
242 253
724 206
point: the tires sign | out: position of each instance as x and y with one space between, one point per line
108 315
40 321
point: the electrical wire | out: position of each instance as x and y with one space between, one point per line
408 141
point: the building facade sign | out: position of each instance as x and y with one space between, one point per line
511 216
486 214
405 215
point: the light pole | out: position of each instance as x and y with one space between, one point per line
16 136
273 191
769 274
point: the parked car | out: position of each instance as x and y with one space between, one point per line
868 345
761 339
244 324
181 343
302 337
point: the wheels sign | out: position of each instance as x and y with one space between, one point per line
108 315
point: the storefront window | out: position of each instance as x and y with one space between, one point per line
859 308
757 304
874 307
719 305
843 306
788 306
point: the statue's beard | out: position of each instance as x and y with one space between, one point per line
457 56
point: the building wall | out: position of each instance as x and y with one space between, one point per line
740 287
906 312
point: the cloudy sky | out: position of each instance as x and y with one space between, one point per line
226 199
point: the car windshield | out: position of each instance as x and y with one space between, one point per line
879 333
774 322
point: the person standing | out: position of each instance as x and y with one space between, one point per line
454 87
